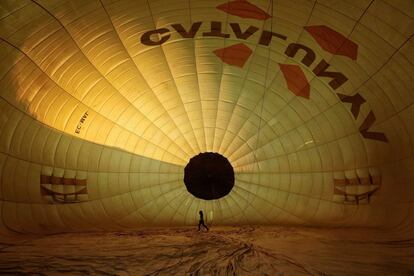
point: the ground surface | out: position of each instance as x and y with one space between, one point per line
222 251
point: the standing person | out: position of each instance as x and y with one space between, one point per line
201 221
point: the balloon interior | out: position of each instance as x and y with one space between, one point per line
289 124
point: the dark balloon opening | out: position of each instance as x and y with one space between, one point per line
208 176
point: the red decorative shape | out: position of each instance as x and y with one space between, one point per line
244 9
236 55
296 80
332 41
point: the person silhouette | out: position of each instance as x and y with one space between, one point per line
201 221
